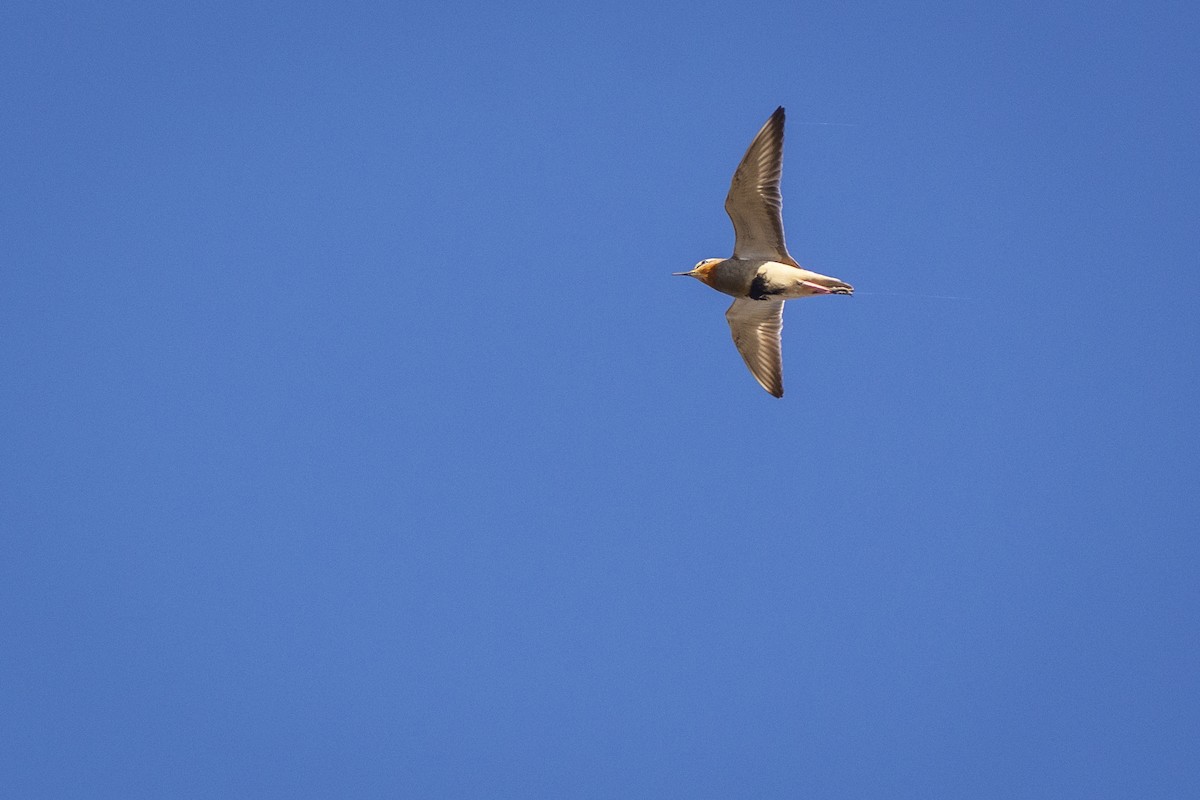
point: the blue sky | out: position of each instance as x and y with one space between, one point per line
358 442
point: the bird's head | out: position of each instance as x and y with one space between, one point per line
701 271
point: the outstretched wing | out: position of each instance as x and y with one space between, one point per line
756 326
754 202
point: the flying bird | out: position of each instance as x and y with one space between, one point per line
761 275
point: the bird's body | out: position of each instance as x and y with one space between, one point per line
758 279
761 274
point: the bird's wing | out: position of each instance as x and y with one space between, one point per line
756 325
754 202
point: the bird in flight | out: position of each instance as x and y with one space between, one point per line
761 275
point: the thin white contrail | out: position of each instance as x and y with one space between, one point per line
906 294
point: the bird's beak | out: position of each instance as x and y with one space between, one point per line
689 272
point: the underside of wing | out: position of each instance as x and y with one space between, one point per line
754 202
756 326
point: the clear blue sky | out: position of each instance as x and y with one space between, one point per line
358 443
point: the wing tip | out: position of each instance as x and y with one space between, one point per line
774 388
